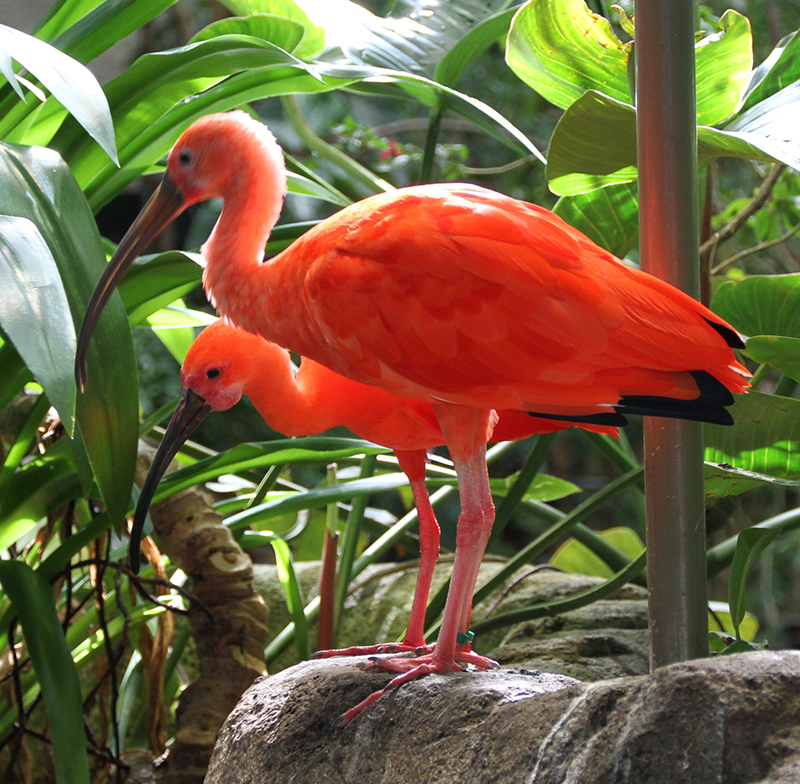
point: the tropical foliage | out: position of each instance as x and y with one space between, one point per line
68 149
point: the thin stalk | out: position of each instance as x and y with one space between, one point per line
431 139
269 481
354 170
327 573
351 537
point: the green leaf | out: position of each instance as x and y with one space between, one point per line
35 314
311 449
472 46
32 598
156 281
283 32
720 621
761 304
561 50
36 184
752 542
313 34
765 437
315 498
573 556
544 488
593 145
71 83
723 63
781 353
780 69
723 480
609 216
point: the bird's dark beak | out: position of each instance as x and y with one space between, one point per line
190 412
164 205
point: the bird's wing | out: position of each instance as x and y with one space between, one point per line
457 290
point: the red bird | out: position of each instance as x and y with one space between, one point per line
225 363
449 294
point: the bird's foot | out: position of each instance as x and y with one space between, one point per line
374 650
410 669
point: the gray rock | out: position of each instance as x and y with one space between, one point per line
726 720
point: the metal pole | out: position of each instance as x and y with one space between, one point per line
669 239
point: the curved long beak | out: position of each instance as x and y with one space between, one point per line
164 205
192 409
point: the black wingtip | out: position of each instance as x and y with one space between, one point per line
731 336
709 406
613 418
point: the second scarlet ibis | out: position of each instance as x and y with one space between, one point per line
225 363
449 294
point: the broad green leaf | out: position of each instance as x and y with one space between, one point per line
761 304
723 63
781 353
573 556
609 216
14 376
779 70
71 83
752 542
765 437
36 489
35 314
156 281
595 138
561 49
313 34
472 46
32 598
36 184
544 487
594 145
723 480
772 125
283 32
311 449
720 620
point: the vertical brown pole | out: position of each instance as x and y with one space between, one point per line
667 154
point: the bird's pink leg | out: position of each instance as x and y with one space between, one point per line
466 433
413 465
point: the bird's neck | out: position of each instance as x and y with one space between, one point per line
234 251
288 403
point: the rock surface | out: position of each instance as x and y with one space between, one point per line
727 720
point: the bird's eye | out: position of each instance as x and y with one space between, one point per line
213 373
185 157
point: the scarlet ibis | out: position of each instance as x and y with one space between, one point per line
449 294
225 363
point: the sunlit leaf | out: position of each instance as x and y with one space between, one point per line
761 304
573 556
752 542
35 314
780 69
544 487
723 63
720 620
561 49
765 437
782 353
283 32
70 82
609 216
32 598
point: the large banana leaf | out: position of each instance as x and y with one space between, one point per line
36 184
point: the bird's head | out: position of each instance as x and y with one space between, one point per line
218 155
